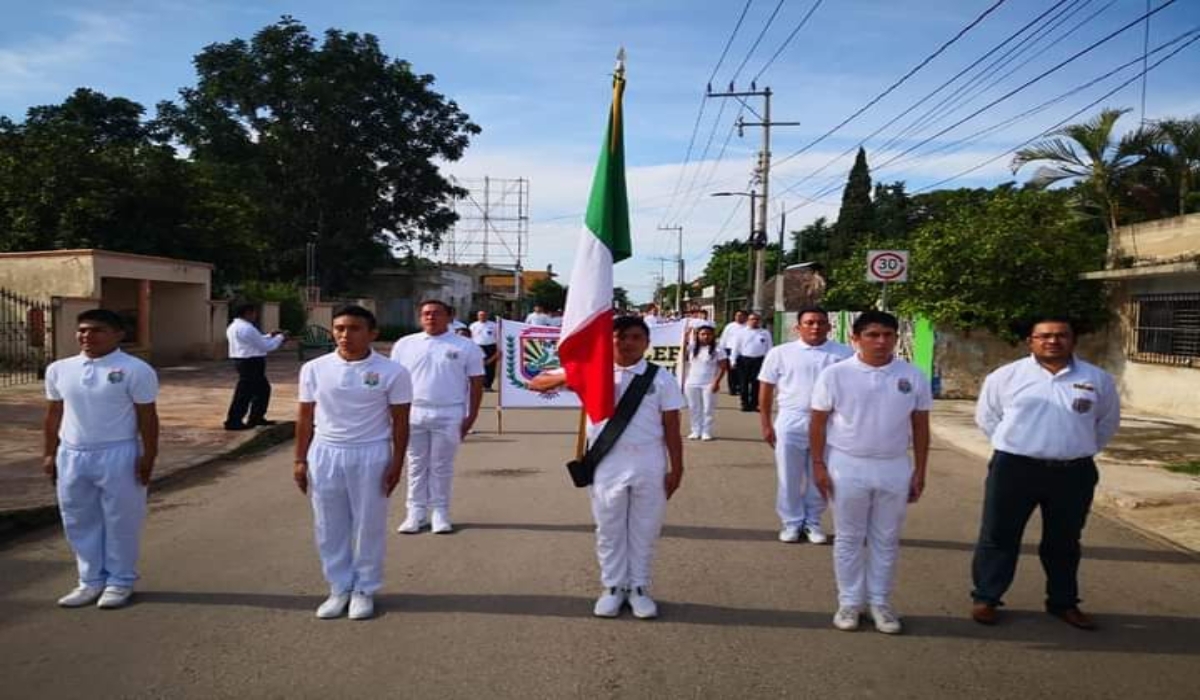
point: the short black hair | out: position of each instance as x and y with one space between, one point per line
882 318
357 312
1026 328
425 302
240 310
109 318
811 310
624 323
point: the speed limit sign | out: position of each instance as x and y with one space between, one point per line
887 266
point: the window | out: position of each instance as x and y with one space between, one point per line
1166 329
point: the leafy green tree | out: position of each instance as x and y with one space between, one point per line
856 218
621 298
811 243
547 293
730 269
1172 153
893 212
332 141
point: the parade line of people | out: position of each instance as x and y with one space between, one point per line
852 431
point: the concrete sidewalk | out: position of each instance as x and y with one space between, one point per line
1133 487
192 403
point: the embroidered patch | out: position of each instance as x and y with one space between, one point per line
116 376
904 386
1085 386
1082 405
371 379
451 354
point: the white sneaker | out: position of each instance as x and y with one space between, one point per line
441 522
609 603
81 596
362 606
789 534
693 436
846 618
815 534
334 606
413 523
644 607
886 620
114 597
706 437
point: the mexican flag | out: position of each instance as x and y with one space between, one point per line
586 345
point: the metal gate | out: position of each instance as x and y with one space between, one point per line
26 339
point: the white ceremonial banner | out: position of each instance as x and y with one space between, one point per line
526 351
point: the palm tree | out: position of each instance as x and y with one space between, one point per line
1088 154
1174 155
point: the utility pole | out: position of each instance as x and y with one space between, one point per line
679 263
759 240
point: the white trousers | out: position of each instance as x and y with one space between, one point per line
350 512
702 403
433 441
797 500
629 500
870 500
103 506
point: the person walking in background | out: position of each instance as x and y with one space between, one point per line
706 366
751 345
483 334
727 341
789 373
248 348
101 442
1047 416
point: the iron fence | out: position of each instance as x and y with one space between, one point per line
1166 329
26 338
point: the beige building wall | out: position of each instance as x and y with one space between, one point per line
268 316
179 322
43 276
320 313
218 320
1160 240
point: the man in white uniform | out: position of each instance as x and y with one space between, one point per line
483 334
351 436
865 412
792 369
538 317
634 481
650 317
750 346
248 348
1046 416
727 343
101 440
442 364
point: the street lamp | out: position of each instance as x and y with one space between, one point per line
758 241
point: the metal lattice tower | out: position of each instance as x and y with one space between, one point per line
493 223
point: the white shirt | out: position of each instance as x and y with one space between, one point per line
456 325
554 321
650 320
1028 411
645 428
483 332
98 396
245 340
354 398
440 365
871 407
728 333
751 342
793 369
704 367
536 319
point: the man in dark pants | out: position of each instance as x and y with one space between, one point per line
1047 415
750 347
726 342
483 333
248 348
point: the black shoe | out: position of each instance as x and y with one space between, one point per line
237 426
262 422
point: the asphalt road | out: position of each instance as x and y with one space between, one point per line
502 607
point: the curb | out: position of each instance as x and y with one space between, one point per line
23 520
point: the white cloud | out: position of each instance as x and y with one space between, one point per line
42 59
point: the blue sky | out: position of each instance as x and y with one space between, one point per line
534 75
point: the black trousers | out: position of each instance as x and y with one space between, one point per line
252 393
735 384
1015 486
489 368
748 368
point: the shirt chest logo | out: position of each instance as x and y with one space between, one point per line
116 376
370 379
451 354
1082 405
904 386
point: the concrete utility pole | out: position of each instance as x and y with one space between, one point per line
679 263
759 240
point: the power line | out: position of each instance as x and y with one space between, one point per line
757 41
788 40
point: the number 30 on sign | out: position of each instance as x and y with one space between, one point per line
887 266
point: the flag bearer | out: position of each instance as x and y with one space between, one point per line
351 436
865 412
634 481
790 371
441 364
101 440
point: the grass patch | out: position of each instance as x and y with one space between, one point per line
1192 467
